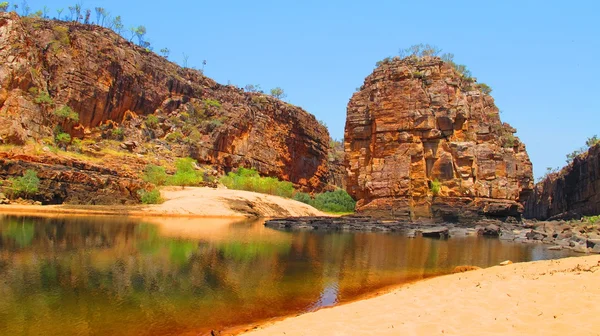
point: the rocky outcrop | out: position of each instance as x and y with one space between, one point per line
119 91
423 141
72 181
570 193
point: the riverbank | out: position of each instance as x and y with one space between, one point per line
551 297
188 202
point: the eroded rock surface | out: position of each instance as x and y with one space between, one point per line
423 141
114 86
73 181
571 193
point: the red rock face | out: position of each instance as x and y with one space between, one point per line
111 83
570 193
73 181
421 141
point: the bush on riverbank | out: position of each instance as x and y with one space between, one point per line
150 196
24 186
331 201
250 180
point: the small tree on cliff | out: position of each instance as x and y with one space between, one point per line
3 6
278 93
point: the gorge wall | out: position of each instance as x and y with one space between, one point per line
424 141
122 92
570 193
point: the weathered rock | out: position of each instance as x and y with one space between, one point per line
435 232
423 142
505 262
491 230
73 181
114 85
465 268
570 193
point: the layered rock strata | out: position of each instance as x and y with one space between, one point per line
570 193
424 141
73 181
119 91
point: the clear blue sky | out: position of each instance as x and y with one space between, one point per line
540 57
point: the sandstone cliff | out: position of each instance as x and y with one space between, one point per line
424 141
570 193
120 92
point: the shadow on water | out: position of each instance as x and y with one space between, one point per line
120 276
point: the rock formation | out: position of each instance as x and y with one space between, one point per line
71 181
121 92
570 193
424 141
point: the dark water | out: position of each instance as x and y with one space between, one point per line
112 276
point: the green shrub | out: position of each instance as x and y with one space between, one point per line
66 113
118 133
62 139
150 196
212 102
302 197
484 88
43 98
174 136
250 180
186 175
509 141
154 174
334 201
26 185
435 187
151 121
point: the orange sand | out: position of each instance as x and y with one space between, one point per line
188 202
556 297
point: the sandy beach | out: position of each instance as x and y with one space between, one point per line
554 297
188 202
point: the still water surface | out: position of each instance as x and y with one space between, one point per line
162 276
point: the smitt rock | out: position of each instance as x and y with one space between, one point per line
571 193
424 141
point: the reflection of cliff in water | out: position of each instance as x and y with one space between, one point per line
112 276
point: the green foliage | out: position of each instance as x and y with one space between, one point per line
62 139
212 102
174 136
484 88
3 6
150 196
118 133
66 113
278 93
151 121
253 88
588 143
334 201
61 37
420 50
43 97
250 180
186 174
26 185
591 219
156 175
508 141
386 60
435 187
592 141
418 74
302 197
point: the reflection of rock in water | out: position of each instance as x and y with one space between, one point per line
329 297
